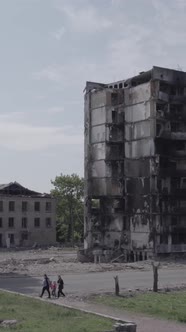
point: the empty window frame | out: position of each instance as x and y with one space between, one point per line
183 183
48 206
11 206
24 206
1 206
11 222
37 222
180 146
174 221
12 239
48 222
24 222
37 206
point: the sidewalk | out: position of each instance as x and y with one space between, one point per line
144 323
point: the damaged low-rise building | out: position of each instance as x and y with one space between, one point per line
135 165
27 218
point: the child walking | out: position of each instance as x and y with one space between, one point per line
53 288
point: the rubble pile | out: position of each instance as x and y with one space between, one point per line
57 260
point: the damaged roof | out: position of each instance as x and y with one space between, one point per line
155 73
14 188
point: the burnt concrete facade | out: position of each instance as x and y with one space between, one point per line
135 164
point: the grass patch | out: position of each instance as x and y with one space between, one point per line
36 316
164 305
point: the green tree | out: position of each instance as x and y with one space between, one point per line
68 190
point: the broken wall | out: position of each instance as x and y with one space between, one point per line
139 150
135 157
104 165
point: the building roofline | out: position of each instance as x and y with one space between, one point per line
142 77
16 189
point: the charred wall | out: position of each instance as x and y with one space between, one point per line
140 150
104 165
170 146
135 163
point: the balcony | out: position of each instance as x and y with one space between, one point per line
179 192
181 136
174 248
180 211
171 171
167 96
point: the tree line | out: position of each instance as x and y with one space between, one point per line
68 191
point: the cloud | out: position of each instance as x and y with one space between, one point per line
51 73
123 56
58 34
12 115
24 137
143 43
22 116
86 19
123 64
116 2
55 110
133 45
69 74
181 4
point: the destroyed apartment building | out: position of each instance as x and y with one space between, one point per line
135 165
27 218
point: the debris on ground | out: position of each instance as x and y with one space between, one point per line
55 260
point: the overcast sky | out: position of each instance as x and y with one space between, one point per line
48 49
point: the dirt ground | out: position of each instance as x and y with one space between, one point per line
36 262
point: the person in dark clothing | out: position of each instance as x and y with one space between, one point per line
60 286
46 286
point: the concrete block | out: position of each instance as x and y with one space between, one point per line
125 327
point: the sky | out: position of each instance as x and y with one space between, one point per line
48 50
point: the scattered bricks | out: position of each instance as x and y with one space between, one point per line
125 327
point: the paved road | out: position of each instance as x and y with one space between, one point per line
78 284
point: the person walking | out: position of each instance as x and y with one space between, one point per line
60 286
53 287
46 286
